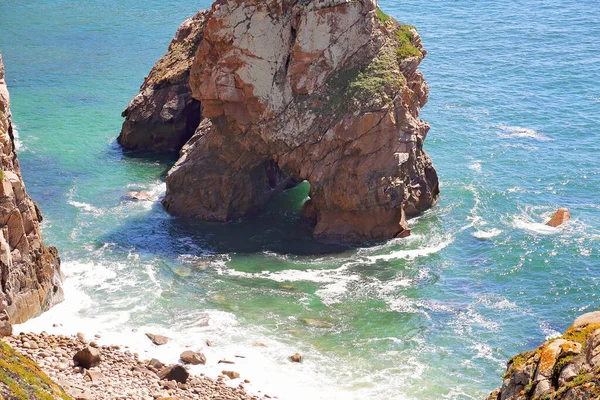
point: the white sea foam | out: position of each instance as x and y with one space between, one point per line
512 132
18 143
411 253
475 166
527 223
266 367
486 235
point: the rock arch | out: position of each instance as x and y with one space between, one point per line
324 91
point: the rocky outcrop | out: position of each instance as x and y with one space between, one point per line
323 91
560 217
163 116
30 275
567 367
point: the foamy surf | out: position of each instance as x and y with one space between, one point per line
512 132
486 235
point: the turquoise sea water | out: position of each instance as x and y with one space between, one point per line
515 115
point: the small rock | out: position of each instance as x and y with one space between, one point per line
61 366
296 358
94 376
561 216
225 362
80 337
154 363
208 343
87 357
158 340
192 357
231 374
174 372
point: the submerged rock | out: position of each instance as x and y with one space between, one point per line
140 196
29 271
560 217
327 92
317 323
562 368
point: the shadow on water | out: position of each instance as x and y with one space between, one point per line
279 228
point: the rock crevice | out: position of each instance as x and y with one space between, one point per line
29 271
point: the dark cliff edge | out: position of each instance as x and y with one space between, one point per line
30 273
327 92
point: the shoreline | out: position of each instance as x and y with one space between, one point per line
122 374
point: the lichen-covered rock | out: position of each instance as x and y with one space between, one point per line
562 368
29 271
21 378
163 116
323 91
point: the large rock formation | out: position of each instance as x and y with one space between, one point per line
325 91
29 271
564 368
163 116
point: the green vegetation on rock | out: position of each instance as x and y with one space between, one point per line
404 36
381 16
22 379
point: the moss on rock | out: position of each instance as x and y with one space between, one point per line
22 379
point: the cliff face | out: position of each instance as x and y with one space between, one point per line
325 91
29 271
562 368
163 116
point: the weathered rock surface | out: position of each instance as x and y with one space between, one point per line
88 357
175 373
163 116
193 357
562 368
327 92
29 271
158 340
560 217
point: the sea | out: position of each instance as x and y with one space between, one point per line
514 110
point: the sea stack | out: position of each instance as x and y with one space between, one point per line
29 271
323 91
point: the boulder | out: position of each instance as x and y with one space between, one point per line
88 357
560 217
175 373
231 374
156 364
158 340
193 357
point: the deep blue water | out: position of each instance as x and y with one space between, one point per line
514 109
